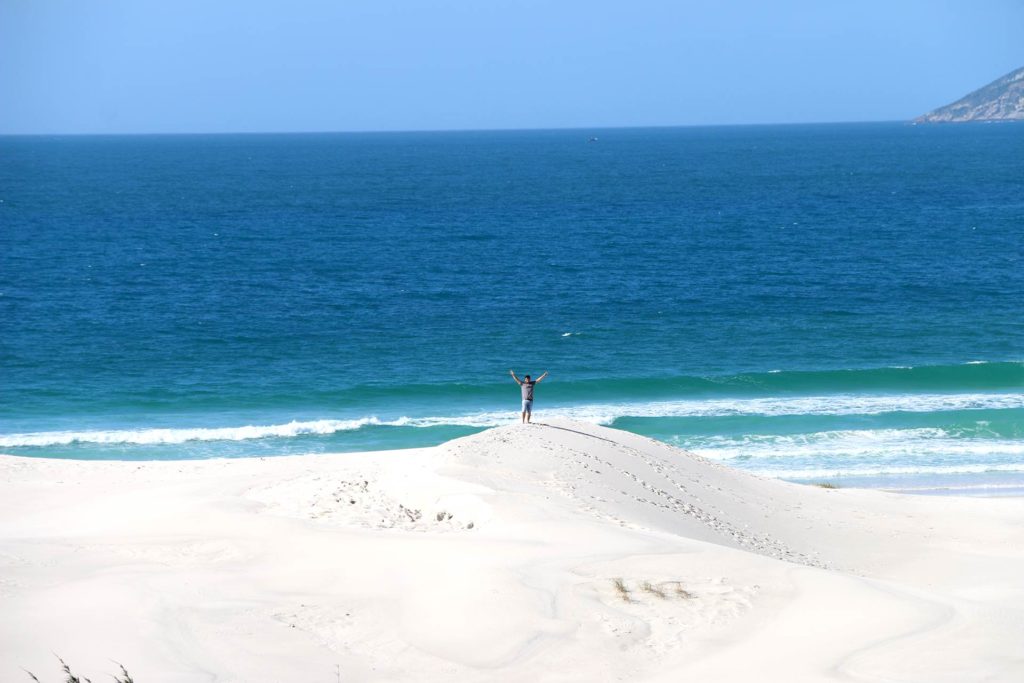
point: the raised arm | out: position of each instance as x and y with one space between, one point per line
543 376
513 373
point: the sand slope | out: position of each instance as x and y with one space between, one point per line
557 552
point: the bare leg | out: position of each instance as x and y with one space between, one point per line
524 417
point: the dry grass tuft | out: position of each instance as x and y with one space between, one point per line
649 587
125 677
663 590
70 677
620 588
682 592
825 485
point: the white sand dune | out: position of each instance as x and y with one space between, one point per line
556 552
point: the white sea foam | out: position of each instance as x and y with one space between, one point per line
981 488
827 472
920 444
175 436
605 413
841 404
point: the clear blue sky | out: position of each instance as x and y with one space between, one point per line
104 66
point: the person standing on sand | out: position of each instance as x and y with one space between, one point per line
526 385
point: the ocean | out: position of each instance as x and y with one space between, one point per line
818 303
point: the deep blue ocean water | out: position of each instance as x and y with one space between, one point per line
836 302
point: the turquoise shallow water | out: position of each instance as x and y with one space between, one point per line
835 301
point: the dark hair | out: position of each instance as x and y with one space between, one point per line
527 377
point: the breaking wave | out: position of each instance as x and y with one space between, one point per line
175 436
850 404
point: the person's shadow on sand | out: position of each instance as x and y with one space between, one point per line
574 431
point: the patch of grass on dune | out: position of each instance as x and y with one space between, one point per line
620 588
649 587
71 677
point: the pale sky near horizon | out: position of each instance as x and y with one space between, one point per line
138 66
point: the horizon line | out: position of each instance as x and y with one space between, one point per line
457 130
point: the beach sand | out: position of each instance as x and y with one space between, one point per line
546 552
